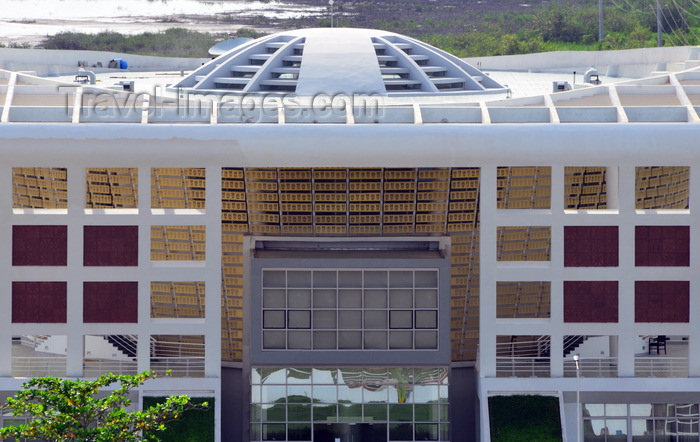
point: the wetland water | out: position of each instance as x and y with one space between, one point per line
31 20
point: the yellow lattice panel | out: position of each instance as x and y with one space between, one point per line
178 243
112 188
232 294
178 188
163 311
365 186
529 299
177 299
465 292
523 243
662 187
365 230
584 188
524 187
233 199
432 205
330 194
505 311
39 188
262 188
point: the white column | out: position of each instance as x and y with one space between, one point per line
6 219
143 348
75 273
487 279
612 187
626 221
556 353
694 338
212 337
614 346
557 221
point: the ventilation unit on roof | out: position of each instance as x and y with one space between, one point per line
561 86
591 76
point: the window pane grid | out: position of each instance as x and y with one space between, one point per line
401 403
643 422
321 309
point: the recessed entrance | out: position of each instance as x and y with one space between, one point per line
350 432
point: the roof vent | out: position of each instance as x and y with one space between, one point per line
591 76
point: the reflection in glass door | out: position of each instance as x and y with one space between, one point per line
350 432
642 422
350 404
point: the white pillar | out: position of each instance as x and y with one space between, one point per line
76 177
612 187
143 347
6 218
212 337
487 279
626 271
694 338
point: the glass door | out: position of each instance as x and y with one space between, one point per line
350 432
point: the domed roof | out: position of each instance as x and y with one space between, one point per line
332 61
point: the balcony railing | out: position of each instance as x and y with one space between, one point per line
31 367
522 367
184 367
94 367
661 367
592 368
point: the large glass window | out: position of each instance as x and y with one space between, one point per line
350 309
378 404
640 422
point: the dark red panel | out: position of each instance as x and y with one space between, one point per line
39 245
39 302
591 246
663 246
590 301
661 301
111 246
110 301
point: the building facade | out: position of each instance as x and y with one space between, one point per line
363 281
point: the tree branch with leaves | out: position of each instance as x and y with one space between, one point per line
63 410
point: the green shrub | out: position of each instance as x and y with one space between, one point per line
526 418
194 426
249 33
173 42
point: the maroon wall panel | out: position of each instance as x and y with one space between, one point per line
590 246
111 246
590 301
667 246
661 301
39 245
39 301
110 301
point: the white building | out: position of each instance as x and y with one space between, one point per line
436 239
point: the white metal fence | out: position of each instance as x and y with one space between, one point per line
30 367
522 367
592 368
96 367
186 367
661 367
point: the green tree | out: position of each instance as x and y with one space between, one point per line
63 410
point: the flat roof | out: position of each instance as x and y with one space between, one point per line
630 92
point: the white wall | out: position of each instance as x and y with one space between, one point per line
56 344
627 63
57 62
97 347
